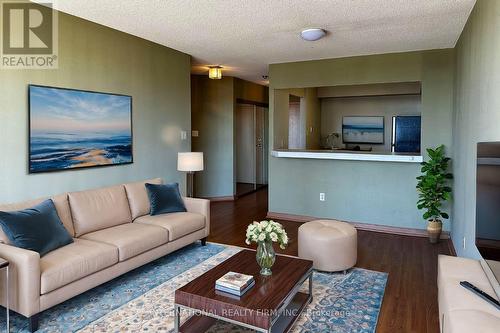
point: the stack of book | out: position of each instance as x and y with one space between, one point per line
234 283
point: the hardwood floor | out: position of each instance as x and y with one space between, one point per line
246 188
410 300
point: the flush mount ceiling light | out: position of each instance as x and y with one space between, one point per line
215 72
313 34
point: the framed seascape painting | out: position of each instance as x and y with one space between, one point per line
70 129
363 129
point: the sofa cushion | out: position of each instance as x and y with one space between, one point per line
165 199
131 239
75 261
138 197
99 209
451 267
466 321
452 296
38 228
62 207
455 300
177 224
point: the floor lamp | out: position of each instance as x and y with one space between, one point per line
190 163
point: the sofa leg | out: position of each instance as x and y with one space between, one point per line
33 323
204 241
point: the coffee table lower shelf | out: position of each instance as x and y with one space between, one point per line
201 323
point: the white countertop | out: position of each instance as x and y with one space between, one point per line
348 155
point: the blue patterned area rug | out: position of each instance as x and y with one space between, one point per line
142 300
82 310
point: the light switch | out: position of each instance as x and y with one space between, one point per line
183 135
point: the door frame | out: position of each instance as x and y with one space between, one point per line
265 137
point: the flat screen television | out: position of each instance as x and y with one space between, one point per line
488 209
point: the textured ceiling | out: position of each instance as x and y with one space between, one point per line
246 36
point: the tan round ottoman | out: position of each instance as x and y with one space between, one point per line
331 244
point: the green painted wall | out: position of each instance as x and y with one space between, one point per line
477 113
310 113
212 114
213 106
359 191
250 91
313 119
93 57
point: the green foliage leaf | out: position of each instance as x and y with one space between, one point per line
432 185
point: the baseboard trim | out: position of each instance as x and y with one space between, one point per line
219 199
290 217
360 226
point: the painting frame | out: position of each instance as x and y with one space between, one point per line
32 170
381 130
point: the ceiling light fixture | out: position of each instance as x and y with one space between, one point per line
215 72
313 34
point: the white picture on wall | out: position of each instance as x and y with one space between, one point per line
363 129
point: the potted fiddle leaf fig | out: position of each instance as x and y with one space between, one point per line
434 190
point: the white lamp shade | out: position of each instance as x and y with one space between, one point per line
190 162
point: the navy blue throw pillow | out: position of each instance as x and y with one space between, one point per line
165 199
38 228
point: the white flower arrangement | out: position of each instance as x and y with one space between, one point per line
267 231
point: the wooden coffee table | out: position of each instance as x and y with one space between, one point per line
272 305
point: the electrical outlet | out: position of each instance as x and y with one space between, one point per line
322 197
464 243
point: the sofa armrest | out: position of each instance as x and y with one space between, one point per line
24 279
200 206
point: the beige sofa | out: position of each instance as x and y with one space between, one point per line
113 234
461 311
